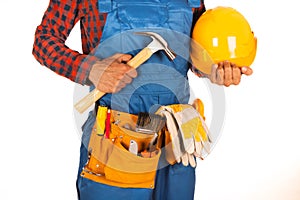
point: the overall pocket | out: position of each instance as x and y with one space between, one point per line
132 16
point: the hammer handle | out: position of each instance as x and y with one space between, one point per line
140 58
96 94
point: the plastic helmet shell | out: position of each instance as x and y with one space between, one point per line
224 34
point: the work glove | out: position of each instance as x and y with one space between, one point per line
189 134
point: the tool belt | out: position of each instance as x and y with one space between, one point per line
110 160
124 153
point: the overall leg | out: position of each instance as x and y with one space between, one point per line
174 182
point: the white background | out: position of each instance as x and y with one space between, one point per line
257 157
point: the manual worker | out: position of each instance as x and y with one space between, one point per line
158 82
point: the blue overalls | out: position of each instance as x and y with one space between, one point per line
159 82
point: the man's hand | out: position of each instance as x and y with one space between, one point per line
226 73
112 74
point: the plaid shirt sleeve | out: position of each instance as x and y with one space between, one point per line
49 45
58 21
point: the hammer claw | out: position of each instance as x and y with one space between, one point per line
158 43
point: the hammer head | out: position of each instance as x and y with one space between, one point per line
158 43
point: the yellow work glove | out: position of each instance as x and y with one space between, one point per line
173 131
188 131
203 131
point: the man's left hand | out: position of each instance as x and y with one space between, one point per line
226 73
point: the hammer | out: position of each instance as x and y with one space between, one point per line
157 43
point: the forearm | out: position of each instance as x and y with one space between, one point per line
54 54
49 44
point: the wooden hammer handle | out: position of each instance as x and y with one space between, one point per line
88 100
94 95
140 58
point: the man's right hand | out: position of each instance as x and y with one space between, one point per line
112 74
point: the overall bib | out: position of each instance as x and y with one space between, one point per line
159 82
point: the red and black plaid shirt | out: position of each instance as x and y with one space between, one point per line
58 21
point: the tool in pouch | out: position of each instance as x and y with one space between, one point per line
101 120
158 43
133 147
118 160
149 123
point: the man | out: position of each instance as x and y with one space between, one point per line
100 20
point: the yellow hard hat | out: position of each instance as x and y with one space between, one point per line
220 34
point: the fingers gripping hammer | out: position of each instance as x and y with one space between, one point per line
157 43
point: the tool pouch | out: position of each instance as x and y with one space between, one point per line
111 163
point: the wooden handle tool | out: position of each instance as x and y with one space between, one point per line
96 94
158 43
